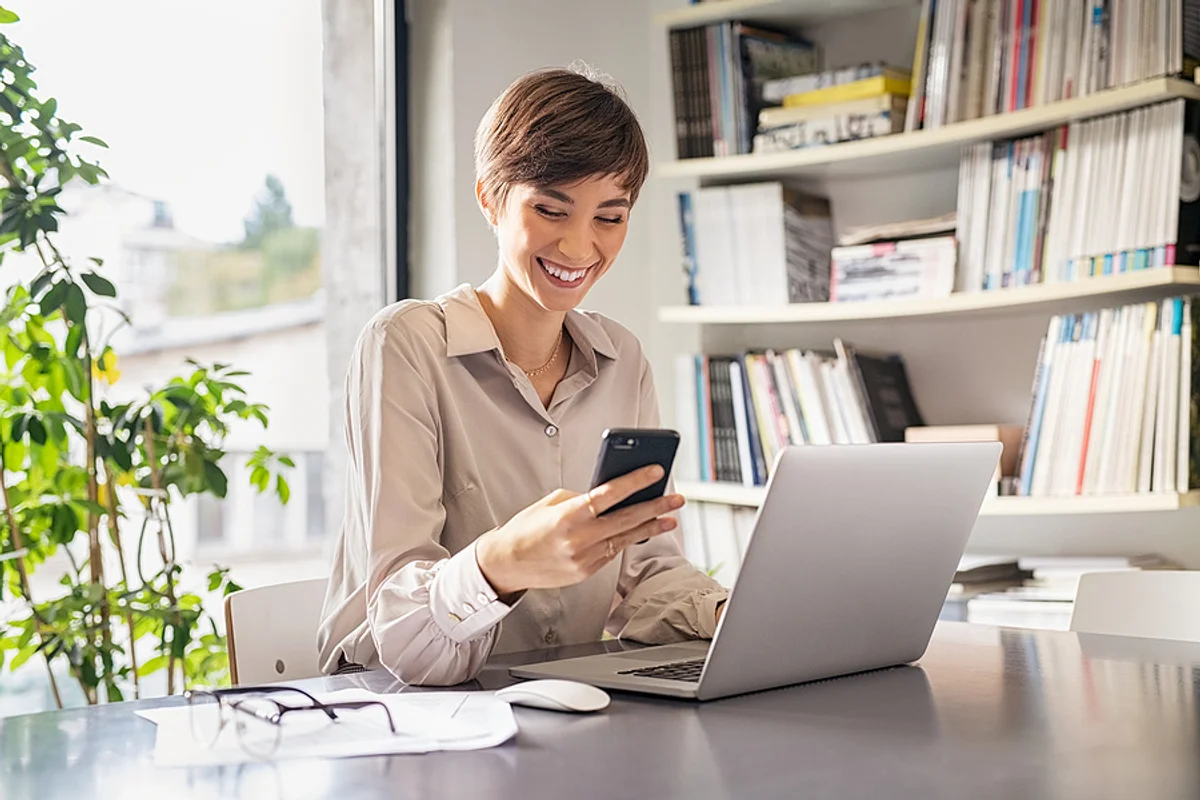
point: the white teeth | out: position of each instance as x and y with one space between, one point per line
562 274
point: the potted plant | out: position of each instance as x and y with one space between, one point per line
83 479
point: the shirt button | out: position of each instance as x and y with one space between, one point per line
551 430
549 637
467 608
483 599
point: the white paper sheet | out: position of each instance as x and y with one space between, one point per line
425 722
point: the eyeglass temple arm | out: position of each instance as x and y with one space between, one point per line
236 690
353 705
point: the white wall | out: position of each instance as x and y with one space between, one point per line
490 45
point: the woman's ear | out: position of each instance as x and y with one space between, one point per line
485 207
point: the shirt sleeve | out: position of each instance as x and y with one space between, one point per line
433 617
662 597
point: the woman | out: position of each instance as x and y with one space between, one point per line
465 410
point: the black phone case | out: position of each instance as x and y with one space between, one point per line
619 457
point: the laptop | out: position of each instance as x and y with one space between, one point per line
850 559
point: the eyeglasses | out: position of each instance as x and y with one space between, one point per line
257 715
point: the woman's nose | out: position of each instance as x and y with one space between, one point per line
576 245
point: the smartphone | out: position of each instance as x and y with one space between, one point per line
623 450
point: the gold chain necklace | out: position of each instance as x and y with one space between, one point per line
553 358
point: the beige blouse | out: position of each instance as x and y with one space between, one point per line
447 441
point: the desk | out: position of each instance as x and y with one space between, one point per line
987 713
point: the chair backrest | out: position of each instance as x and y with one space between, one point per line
272 632
1157 604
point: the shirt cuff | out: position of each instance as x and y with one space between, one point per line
708 613
462 602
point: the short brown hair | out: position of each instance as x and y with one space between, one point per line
557 126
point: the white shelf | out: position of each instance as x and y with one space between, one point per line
788 12
1053 298
732 494
925 150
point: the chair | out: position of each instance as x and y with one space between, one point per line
1152 604
272 632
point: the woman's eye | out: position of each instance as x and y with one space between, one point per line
548 212
611 220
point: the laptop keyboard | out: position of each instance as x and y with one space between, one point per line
688 671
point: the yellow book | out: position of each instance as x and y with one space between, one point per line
868 87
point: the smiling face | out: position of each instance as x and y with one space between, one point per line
556 242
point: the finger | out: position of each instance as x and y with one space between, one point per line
599 553
607 495
626 519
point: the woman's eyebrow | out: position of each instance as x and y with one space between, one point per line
616 202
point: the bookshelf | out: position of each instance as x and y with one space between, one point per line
730 494
1048 298
926 149
971 355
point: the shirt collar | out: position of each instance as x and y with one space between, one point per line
469 331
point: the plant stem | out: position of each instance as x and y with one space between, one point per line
23 575
168 562
114 533
95 554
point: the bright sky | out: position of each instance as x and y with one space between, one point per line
197 101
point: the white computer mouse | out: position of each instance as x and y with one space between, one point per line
555 695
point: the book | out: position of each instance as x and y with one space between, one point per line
718 72
902 270
1114 402
867 87
736 412
778 116
758 244
1040 209
775 91
827 130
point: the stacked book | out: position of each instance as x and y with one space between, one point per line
736 413
915 259
717 75
980 57
1115 403
755 244
1112 194
1046 599
858 102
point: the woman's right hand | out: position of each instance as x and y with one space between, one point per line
560 540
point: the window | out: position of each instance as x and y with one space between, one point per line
210 221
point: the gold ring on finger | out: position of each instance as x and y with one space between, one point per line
610 549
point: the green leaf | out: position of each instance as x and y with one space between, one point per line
217 482
214 581
282 489
151 666
114 693
54 298
261 478
40 283
8 17
94 140
76 304
74 339
23 655
20 423
101 286
37 430
286 461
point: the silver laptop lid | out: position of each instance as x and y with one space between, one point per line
849 563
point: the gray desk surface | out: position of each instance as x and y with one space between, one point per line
986 713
